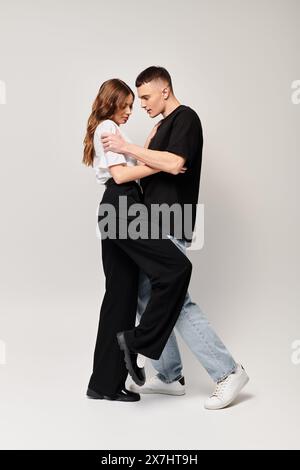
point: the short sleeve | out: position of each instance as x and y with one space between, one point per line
186 136
111 158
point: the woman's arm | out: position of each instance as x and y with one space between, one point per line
152 134
146 145
124 173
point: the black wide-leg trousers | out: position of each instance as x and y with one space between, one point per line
169 271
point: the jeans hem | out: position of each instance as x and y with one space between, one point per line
160 376
227 374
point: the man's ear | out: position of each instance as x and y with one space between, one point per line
166 92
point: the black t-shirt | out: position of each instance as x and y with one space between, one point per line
181 133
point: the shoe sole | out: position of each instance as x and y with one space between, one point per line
128 362
97 396
156 392
242 385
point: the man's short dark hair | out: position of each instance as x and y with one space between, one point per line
153 73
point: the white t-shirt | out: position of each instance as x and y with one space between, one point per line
103 160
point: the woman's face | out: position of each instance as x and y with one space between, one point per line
122 115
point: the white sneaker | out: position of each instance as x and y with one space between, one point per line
155 385
227 390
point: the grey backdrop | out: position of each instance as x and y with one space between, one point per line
234 62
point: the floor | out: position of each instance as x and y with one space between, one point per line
43 403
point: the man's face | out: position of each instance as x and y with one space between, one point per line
152 96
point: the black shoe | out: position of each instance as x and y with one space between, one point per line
123 395
137 373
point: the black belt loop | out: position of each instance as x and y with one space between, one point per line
111 182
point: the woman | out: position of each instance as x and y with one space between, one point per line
122 259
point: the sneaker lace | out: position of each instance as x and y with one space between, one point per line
220 387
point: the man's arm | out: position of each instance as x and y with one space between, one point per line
162 161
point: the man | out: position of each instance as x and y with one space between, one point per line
177 141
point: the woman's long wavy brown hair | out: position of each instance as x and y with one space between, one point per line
111 97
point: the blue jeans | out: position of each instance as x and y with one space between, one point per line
197 333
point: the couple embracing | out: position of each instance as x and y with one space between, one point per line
147 277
